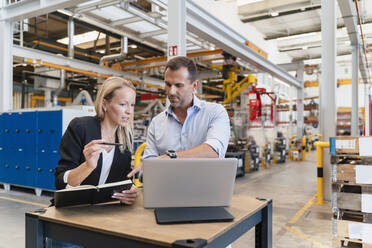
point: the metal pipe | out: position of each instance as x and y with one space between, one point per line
61 87
309 141
80 96
354 91
328 86
123 53
71 33
319 165
23 89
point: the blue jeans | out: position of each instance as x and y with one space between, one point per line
52 243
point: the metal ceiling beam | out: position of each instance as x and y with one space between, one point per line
268 15
126 21
156 21
95 5
108 27
35 55
313 30
291 66
29 9
349 14
153 33
211 29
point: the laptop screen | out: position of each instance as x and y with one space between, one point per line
192 182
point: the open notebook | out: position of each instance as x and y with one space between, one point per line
89 194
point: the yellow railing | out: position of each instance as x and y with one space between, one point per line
137 161
319 164
309 141
303 148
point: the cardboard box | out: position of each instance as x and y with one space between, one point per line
347 145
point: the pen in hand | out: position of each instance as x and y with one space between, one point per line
111 144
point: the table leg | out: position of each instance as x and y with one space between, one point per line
264 228
34 232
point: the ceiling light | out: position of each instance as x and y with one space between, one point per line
244 2
85 37
274 13
134 46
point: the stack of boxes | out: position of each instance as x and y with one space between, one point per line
352 191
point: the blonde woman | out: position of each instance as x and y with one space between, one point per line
84 159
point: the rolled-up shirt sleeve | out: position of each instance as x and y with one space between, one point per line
219 131
151 150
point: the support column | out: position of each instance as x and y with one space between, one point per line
367 110
71 33
176 28
6 66
354 92
328 85
300 101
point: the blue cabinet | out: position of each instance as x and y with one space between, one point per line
49 128
7 130
29 145
47 162
26 129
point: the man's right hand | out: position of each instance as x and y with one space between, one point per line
91 152
135 170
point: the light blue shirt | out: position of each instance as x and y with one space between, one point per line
206 123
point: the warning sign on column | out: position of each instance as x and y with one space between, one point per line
173 51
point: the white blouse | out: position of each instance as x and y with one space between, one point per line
107 158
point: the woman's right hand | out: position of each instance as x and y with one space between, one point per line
91 152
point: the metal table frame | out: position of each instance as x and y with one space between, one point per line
37 229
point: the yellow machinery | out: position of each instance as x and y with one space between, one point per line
231 87
137 162
294 150
266 156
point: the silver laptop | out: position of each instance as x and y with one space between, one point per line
189 182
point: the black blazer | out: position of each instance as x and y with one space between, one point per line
80 132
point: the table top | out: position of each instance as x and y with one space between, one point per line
135 222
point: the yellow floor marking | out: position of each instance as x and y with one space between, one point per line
25 202
302 210
301 235
296 217
239 186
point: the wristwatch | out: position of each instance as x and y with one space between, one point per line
171 153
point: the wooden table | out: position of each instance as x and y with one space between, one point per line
113 225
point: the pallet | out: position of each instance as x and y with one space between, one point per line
343 230
347 173
347 145
355 216
349 243
348 199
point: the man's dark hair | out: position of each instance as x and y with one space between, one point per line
176 63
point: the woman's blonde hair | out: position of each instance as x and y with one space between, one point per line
107 92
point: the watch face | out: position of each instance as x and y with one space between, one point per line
172 153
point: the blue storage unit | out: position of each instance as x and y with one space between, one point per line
7 132
2 147
49 129
27 129
29 145
47 161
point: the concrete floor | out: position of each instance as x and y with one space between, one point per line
290 186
